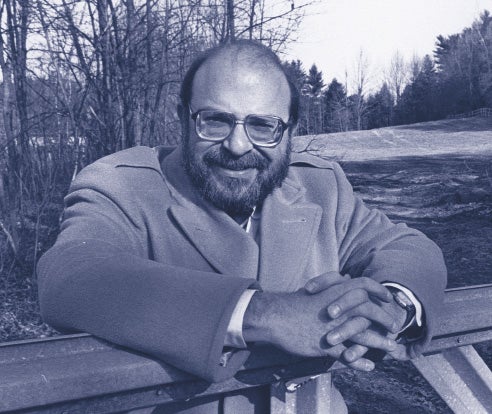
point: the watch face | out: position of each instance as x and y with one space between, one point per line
404 301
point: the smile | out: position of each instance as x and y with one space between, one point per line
247 173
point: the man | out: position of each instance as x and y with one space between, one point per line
197 255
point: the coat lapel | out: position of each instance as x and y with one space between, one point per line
288 230
220 240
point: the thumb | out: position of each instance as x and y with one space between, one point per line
400 353
324 281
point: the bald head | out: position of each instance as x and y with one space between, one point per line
246 63
233 75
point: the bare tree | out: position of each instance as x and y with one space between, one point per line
360 84
16 163
397 75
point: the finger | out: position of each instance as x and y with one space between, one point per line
324 281
347 330
371 287
361 364
347 301
374 288
336 322
372 339
354 353
375 313
400 353
335 351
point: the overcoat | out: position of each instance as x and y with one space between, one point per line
143 261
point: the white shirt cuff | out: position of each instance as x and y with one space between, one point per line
234 335
418 306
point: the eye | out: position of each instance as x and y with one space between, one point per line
263 123
215 118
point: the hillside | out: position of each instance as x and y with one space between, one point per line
451 136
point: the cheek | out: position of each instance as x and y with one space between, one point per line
275 154
198 148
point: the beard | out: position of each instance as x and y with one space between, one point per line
235 196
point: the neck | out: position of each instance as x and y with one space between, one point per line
239 218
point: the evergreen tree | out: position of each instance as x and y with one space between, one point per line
419 101
314 81
464 63
296 74
380 112
314 108
335 107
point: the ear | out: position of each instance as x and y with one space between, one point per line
183 119
181 112
293 130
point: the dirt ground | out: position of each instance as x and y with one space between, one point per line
449 198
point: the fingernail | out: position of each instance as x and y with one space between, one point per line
310 286
334 310
333 339
391 345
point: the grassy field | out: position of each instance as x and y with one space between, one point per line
436 177
469 136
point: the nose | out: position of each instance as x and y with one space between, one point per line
237 143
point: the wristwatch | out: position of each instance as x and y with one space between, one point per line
403 301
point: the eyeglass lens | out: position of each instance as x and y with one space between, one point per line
217 125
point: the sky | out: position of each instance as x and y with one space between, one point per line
333 32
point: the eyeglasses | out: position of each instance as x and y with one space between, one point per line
261 130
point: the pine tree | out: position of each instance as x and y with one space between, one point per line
335 107
314 81
380 112
419 101
313 107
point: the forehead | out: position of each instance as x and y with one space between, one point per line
241 85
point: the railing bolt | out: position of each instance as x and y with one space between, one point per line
160 392
459 340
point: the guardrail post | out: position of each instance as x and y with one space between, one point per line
460 377
304 395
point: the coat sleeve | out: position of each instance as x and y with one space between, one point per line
98 278
370 245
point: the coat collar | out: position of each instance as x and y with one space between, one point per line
287 231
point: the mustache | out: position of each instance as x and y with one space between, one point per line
223 158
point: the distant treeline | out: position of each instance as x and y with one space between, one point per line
456 79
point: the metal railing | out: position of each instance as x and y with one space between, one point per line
83 374
481 112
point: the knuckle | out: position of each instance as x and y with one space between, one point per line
363 310
363 337
359 322
360 294
364 322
